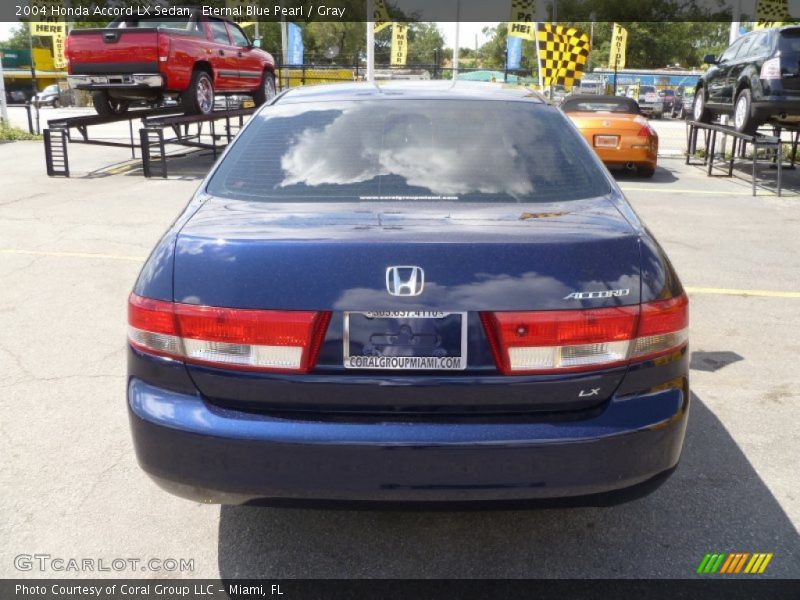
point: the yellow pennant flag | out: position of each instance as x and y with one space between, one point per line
619 42
399 43
521 23
59 60
50 24
381 16
771 13
48 28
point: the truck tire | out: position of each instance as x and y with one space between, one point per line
266 91
199 98
106 106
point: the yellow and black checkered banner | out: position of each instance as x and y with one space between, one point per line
619 43
771 13
521 23
381 16
399 43
563 52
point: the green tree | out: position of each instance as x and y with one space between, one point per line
493 53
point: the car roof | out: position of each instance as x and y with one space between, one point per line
411 90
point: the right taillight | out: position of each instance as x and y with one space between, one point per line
771 69
245 339
585 340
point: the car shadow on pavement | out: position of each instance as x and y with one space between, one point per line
662 175
714 502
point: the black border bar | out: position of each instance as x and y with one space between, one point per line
711 587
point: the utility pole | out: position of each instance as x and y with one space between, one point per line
370 41
455 43
3 107
33 63
737 14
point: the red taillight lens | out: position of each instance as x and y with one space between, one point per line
163 47
581 340
771 69
663 326
268 340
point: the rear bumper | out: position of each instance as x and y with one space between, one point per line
125 81
777 105
217 455
622 156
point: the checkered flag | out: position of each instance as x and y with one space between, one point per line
772 11
563 52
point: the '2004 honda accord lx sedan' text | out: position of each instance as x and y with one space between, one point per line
408 294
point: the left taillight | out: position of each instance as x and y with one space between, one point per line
245 339
584 340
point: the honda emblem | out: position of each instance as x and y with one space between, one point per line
405 281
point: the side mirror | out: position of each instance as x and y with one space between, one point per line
709 59
257 43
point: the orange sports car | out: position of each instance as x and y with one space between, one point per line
616 129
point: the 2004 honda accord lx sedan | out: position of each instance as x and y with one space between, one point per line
412 293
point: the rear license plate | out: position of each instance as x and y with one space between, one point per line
606 141
405 340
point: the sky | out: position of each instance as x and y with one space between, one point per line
5 29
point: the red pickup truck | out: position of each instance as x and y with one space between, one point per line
150 59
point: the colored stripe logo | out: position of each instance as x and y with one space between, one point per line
734 562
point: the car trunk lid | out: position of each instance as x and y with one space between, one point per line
334 257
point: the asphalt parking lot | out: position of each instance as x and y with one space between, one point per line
70 250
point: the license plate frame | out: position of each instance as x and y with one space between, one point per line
606 141
404 363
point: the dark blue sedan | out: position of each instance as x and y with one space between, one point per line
409 293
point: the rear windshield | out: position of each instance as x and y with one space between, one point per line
790 41
185 24
616 104
406 150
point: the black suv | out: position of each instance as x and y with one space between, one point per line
757 79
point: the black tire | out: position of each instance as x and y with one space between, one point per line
744 122
199 98
700 113
645 171
56 103
266 90
106 106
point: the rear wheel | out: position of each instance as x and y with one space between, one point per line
266 91
699 111
56 103
199 98
742 113
106 106
645 171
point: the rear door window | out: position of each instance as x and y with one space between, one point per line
790 41
761 45
409 150
219 32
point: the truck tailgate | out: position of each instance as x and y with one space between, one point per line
92 51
